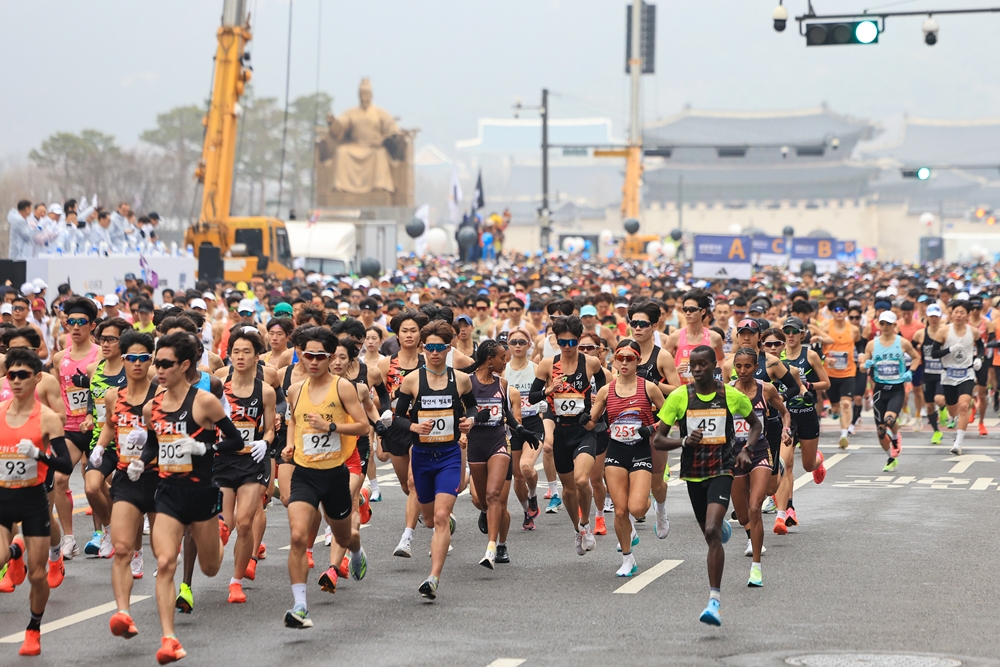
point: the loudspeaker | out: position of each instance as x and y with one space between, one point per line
210 265
13 270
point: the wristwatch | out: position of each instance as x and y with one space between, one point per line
333 427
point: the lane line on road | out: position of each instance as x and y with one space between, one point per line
640 581
829 463
73 619
506 662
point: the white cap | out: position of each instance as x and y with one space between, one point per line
208 295
933 310
56 208
197 303
365 283
433 281
892 291
444 285
6 309
245 305
110 299
887 316
27 288
343 307
933 285
374 292
962 296
415 299
39 284
327 294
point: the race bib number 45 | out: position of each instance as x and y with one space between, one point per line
442 425
711 422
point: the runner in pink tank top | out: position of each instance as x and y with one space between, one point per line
697 313
684 353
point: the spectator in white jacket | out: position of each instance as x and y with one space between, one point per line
106 232
26 234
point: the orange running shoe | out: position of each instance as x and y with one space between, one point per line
262 551
57 572
819 474
32 643
236 594
792 519
345 567
600 528
90 511
251 572
364 506
122 625
6 584
223 532
328 580
779 526
15 567
170 651
982 429
309 557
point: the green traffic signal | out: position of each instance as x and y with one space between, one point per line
832 34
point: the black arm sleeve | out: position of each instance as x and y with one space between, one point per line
151 449
382 393
400 419
537 392
280 401
980 348
471 408
789 387
937 352
59 458
232 441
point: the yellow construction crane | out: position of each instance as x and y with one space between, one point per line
248 245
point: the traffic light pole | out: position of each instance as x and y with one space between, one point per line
633 164
543 212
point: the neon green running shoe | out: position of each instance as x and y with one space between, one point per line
936 438
666 474
185 600
891 465
756 578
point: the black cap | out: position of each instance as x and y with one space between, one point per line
154 216
794 322
757 307
748 324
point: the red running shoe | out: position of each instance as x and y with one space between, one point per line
122 625
170 651
819 474
32 643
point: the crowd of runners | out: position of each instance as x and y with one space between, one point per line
195 418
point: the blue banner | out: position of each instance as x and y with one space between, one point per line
769 251
822 252
847 251
718 257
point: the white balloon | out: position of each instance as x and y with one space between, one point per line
669 250
927 219
437 241
607 236
567 244
735 228
653 249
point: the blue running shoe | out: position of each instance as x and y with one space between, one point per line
554 504
727 531
93 547
711 614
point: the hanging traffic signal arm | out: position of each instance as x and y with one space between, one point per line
864 28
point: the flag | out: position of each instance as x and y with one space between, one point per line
478 202
455 197
148 273
313 218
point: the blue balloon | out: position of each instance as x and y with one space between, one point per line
585 254
587 244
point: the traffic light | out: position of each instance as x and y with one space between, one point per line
853 32
920 173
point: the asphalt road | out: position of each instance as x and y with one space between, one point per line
902 563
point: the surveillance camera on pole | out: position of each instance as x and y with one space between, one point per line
930 28
784 151
780 17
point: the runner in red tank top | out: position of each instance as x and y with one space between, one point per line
32 447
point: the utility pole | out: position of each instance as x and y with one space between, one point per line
543 212
633 165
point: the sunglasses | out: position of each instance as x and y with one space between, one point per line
792 332
502 310
78 321
315 356
690 309
436 347
140 358
482 309
625 358
739 312
640 324
246 313
107 339
19 308
854 318
165 363
517 342
588 348
19 375
838 310
773 343
567 342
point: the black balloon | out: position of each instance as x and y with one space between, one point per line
467 237
788 231
808 266
676 234
415 228
631 225
371 267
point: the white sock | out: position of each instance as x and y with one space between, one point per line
299 593
782 514
715 594
54 553
234 580
501 544
532 491
407 533
553 488
374 484
756 564
661 509
599 514
959 437
843 433
138 553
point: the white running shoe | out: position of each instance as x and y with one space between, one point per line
628 567
661 527
403 548
107 549
579 542
749 550
588 538
431 553
850 430
145 525
608 505
69 547
489 559
136 564
768 507
956 449
328 536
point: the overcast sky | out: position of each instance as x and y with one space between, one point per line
441 64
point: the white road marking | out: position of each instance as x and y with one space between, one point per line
965 461
982 484
640 581
319 538
829 463
506 662
73 619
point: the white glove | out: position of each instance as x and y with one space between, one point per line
27 449
190 446
977 363
136 438
97 456
386 418
135 470
258 449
